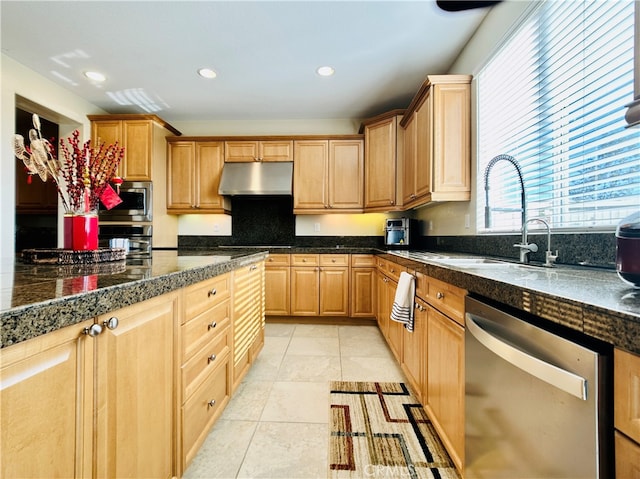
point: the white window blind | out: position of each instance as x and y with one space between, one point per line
553 97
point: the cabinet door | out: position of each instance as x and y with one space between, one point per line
305 291
413 349
334 291
248 317
135 364
627 393
46 402
423 148
384 308
627 457
241 151
409 164
209 157
346 174
180 175
451 141
277 289
363 292
109 132
137 141
380 164
445 381
276 150
310 175
394 337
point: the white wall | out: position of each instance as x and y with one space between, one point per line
449 218
54 103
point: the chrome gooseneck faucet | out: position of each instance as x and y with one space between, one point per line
525 247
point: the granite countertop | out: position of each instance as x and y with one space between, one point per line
593 301
37 299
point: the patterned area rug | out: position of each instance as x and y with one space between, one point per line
379 430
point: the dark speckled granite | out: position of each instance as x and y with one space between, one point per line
39 299
593 301
36 299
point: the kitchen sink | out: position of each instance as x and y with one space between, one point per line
479 263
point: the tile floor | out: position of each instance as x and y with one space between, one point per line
276 424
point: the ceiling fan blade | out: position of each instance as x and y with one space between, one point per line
460 5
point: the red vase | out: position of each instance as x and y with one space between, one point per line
81 231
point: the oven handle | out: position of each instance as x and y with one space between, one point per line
553 375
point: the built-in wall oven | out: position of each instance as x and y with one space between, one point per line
130 222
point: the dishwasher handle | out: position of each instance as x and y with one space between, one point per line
557 377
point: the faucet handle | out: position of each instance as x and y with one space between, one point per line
527 247
550 258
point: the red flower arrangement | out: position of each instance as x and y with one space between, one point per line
82 177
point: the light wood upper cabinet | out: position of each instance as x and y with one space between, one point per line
136 134
46 399
438 162
328 175
193 177
384 142
248 150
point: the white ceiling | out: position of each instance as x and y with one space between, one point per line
265 54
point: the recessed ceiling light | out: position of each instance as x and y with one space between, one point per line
207 73
95 76
325 71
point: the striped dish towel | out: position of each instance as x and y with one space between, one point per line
402 309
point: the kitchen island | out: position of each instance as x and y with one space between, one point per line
36 299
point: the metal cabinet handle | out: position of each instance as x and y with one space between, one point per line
333 260
211 403
211 359
211 326
439 295
92 330
212 292
253 267
557 377
111 323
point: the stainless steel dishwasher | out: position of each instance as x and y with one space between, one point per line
536 404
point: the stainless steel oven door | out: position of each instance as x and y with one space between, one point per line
139 237
137 203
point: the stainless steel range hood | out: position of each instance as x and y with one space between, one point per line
257 178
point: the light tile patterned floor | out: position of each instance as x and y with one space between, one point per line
275 425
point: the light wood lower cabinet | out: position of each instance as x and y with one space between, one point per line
320 285
363 286
46 404
248 318
277 285
135 400
414 351
103 406
205 371
445 382
627 414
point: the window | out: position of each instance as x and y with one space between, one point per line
553 97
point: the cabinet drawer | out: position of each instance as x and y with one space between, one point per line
626 384
393 270
303 259
206 359
447 298
206 294
203 408
334 260
363 260
203 328
278 260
